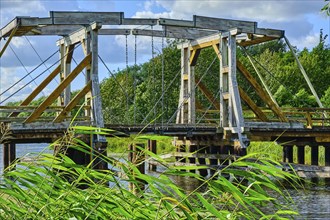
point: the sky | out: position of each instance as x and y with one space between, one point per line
301 20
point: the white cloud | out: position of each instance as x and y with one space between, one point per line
308 41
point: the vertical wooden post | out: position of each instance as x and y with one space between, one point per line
5 154
9 154
327 155
152 147
314 154
137 157
213 150
192 160
288 154
301 154
202 161
225 151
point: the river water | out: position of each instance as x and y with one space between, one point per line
312 203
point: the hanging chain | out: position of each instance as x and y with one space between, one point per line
163 67
134 79
153 68
126 79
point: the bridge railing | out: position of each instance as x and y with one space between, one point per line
20 113
309 117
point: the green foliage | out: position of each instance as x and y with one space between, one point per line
54 187
326 98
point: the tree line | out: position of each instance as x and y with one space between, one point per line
134 94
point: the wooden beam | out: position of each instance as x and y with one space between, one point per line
78 17
216 50
51 98
187 33
139 21
39 88
73 102
224 24
7 30
207 94
194 56
115 31
56 29
78 36
8 40
262 94
256 110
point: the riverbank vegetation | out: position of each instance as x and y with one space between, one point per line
54 187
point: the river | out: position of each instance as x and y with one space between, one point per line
311 203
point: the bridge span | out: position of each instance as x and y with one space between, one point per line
227 126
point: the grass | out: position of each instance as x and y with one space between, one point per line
57 188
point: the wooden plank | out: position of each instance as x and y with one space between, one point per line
3 49
175 22
270 32
38 89
256 110
262 94
187 33
224 24
109 31
60 30
139 21
78 17
51 98
73 103
6 30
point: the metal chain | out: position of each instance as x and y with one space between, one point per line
153 68
134 79
126 79
163 68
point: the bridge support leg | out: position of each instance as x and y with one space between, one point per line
9 154
301 154
327 155
202 161
225 150
192 160
314 154
152 147
136 156
288 154
213 150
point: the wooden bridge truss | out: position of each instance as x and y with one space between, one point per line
234 126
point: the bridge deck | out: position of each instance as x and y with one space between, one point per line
296 133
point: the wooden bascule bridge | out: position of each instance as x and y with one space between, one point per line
228 130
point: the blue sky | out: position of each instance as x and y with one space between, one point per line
301 19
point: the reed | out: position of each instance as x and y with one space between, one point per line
54 187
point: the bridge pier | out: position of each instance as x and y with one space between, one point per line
327 155
288 153
300 154
314 154
9 154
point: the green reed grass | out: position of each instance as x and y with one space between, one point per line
54 187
